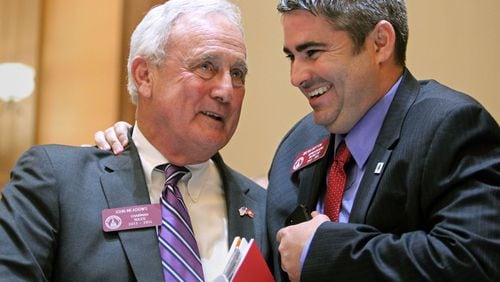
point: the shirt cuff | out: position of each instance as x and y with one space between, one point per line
305 250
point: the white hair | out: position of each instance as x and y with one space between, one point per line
151 35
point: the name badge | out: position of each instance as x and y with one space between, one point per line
310 155
132 217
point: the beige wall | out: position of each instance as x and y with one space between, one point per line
79 69
271 104
455 42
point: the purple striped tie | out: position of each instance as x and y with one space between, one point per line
180 257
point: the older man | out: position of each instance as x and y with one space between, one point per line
65 213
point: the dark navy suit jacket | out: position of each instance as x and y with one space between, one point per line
431 213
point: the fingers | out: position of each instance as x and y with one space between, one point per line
320 217
101 142
292 241
121 130
280 234
112 139
289 255
281 249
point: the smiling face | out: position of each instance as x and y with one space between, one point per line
341 85
189 106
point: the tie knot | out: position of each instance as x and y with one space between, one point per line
342 154
173 173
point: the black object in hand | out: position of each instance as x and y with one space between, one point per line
300 214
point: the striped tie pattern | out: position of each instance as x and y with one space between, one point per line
180 257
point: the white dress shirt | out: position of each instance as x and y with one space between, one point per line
203 195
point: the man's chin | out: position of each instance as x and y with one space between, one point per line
320 119
334 127
212 143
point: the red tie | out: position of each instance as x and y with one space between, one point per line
335 183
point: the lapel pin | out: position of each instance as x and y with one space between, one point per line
379 168
246 211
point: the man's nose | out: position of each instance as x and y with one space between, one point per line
223 90
299 73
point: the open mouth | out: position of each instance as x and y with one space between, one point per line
213 116
318 92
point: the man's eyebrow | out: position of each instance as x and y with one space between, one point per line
304 46
208 57
242 65
196 60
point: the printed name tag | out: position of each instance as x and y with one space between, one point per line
132 217
310 155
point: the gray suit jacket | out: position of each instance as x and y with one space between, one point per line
50 216
431 214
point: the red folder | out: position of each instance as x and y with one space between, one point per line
245 263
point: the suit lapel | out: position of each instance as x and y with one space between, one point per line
368 186
242 226
124 185
236 197
386 141
312 180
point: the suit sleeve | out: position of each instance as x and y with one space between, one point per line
452 234
28 219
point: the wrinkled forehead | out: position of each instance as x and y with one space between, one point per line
215 22
212 31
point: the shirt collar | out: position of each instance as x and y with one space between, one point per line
362 137
151 157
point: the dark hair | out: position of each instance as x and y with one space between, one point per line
358 18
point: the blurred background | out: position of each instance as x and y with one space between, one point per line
62 68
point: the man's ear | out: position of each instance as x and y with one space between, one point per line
142 75
384 38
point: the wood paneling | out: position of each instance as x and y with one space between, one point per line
133 12
19 37
80 69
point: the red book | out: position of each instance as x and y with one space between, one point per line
245 263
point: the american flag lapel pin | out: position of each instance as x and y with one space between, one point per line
246 211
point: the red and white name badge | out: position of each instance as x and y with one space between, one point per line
131 217
310 155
